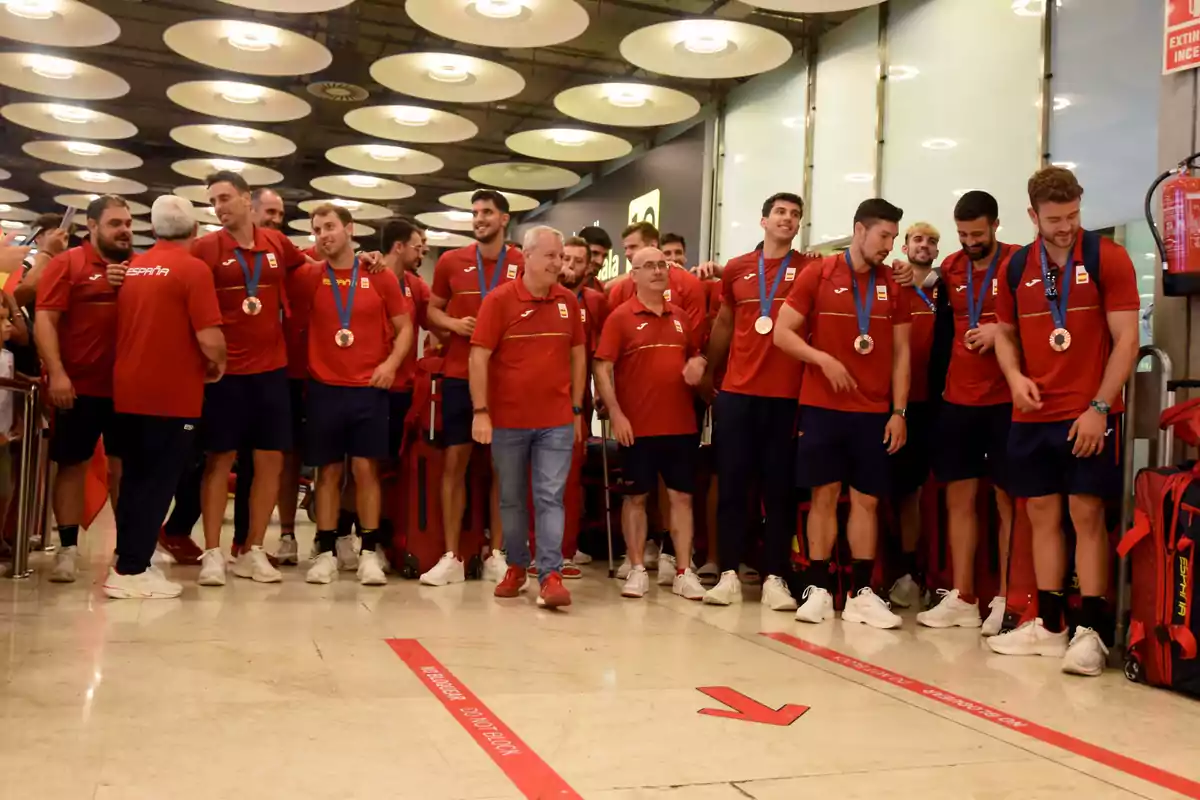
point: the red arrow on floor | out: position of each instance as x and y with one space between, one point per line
749 710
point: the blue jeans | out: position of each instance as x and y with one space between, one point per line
544 453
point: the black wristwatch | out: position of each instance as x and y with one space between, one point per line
1100 407
576 410
900 412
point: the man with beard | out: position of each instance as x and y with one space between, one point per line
403 249
76 335
462 279
1068 339
852 404
599 247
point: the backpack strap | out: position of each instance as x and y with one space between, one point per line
1091 262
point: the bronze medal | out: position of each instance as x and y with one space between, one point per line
864 344
344 337
252 306
1060 339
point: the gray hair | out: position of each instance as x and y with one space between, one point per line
534 235
171 217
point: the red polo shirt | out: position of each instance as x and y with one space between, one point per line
456 280
684 290
75 284
1067 381
529 375
167 297
416 291
755 365
377 299
648 351
255 343
823 296
974 378
593 310
920 339
294 333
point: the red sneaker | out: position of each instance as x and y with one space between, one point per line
571 572
532 571
512 583
554 594
185 552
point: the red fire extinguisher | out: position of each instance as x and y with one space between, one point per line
1179 242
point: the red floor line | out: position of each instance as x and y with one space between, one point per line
532 776
1108 758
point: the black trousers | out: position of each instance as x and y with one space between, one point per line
186 512
158 450
755 440
244 480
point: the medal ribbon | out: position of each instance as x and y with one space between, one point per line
484 288
862 310
765 301
252 279
1057 303
924 297
975 303
343 311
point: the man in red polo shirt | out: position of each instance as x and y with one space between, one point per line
359 331
528 371
1068 340
852 403
170 340
683 288
646 363
599 248
462 279
755 413
403 246
76 334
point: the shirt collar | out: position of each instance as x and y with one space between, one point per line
525 296
1076 251
640 308
260 243
92 255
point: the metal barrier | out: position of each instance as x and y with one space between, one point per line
33 483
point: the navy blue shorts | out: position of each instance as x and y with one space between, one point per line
972 442
398 405
248 412
672 457
911 464
296 388
77 429
843 447
345 421
1040 461
458 412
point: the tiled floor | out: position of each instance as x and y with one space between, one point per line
291 691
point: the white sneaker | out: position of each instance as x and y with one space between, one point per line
212 568
346 548
370 570
149 585
254 564
1086 655
637 584
651 554
64 565
687 585
494 566
623 570
905 593
581 558
666 570
448 569
709 573
776 595
324 569
288 553
995 618
1030 639
869 608
951 612
748 574
727 591
817 606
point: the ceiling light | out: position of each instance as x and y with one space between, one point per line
11 224
212 228
960 192
349 205
94 177
792 122
84 148
628 95
241 93
431 234
71 114
459 216
251 37
939 144
524 169
233 134
1061 102
831 237
312 238
5 208
1029 8
567 137
414 116
362 181
226 165
58 69
900 72
499 9
450 70
32 9
859 177
1150 256
384 152
1071 165
704 37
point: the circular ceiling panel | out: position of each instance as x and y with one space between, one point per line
11 226
447 220
201 168
631 105
52 76
67 120
206 216
445 239
411 124
250 48
523 175
143 241
17 214
568 144
290 6
516 202
82 201
196 193
58 23
706 48
449 77
86 155
811 6
384 159
9 197
360 228
5 174
138 226
303 241
239 101
363 187
501 23
232 140
358 210
83 180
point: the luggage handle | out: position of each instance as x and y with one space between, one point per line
1183 383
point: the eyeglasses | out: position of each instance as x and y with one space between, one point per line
655 266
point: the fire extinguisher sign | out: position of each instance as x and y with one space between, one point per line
1181 32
